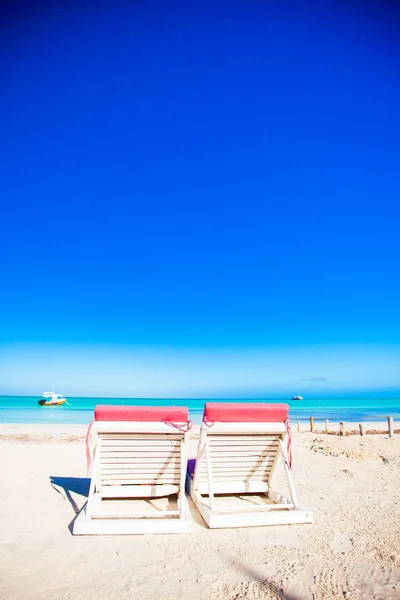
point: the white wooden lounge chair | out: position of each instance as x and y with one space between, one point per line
239 449
139 470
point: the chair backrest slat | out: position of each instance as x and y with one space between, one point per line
240 457
139 459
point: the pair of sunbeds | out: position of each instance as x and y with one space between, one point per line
140 469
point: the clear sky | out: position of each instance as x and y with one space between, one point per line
199 197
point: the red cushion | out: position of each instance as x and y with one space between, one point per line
174 414
232 412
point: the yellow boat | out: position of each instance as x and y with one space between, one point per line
52 399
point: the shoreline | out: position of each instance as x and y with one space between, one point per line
78 431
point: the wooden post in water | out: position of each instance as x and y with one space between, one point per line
390 426
311 423
362 428
326 425
341 428
298 425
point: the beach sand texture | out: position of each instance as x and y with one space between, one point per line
351 551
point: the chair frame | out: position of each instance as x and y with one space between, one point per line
136 460
229 463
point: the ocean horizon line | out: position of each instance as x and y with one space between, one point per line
313 396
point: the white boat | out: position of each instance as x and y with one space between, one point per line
52 399
297 397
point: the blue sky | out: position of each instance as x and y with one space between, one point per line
183 183
127 371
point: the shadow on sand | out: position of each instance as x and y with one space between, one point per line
265 585
69 485
66 486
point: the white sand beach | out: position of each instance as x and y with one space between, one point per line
352 550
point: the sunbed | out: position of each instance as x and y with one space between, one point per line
138 475
239 451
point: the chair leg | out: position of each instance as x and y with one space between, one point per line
288 475
93 483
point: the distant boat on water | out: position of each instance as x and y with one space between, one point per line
297 397
52 399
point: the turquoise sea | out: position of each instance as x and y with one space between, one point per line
25 409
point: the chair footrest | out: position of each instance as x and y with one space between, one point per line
85 525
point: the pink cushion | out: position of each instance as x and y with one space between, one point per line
173 414
234 412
